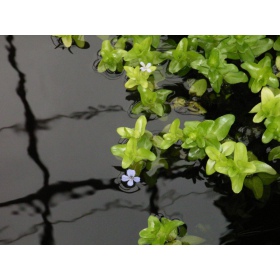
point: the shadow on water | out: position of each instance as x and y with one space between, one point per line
45 194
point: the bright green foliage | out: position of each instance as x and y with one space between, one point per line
269 109
216 69
196 135
67 40
274 153
111 58
276 44
174 134
141 52
165 232
198 88
199 135
159 232
137 149
151 101
261 74
138 77
181 57
136 132
208 42
237 167
155 39
272 129
277 63
245 47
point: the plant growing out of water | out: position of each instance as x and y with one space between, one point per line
245 47
165 232
112 58
216 69
269 110
138 77
196 135
141 51
68 40
232 160
151 101
181 57
137 148
261 74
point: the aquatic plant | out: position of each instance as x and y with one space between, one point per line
261 74
68 40
232 160
165 232
151 101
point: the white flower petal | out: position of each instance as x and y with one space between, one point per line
142 63
142 69
130 172
149 70
130 183
149 65
136 179
125 178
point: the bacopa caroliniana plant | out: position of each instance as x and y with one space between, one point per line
165 232
138 145
232 160
68 40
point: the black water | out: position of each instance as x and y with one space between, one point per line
58 181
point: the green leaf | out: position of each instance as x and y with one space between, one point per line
240 152
118 150
235 78
256 185
222 126
192 240
276 45
263 167
140 126
196 153
199 87
237 182
79 40
274 153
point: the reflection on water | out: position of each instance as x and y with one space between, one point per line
59 182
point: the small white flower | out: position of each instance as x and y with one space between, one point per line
146 67
130 177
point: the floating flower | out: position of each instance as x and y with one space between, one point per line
130 177
146 67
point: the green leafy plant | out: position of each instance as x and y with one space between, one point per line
245 47
196 135
261 74
216 69
151 101
68 40
141 51
181 57
138 77
268 109
137 148
232 160
199 135
111 58
165 232
173 134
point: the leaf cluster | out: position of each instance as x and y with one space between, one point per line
165 232
137 148
232 160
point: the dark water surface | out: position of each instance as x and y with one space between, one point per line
58 120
